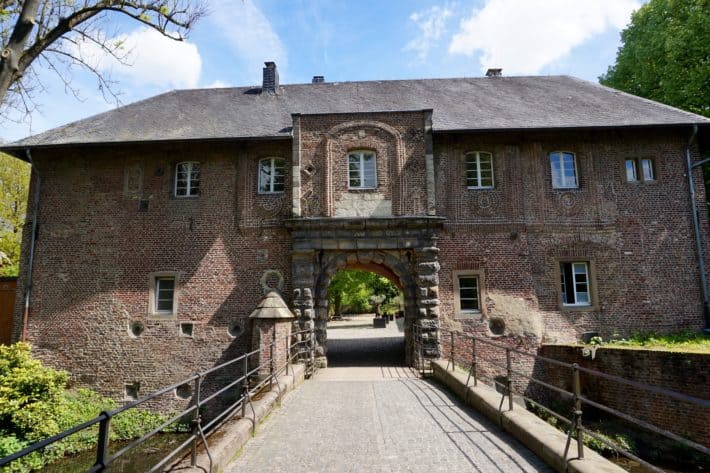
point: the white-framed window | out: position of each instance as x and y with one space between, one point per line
631 171
187 179
362 170
479 170
574 283
163 295
272 175
469 287
563 166
645 166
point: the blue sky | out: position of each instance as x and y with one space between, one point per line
345 41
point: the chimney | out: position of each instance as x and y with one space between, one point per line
494 72
318 79
270 85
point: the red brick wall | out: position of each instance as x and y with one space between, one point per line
95 250
687 373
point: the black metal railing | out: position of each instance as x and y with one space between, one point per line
575 428
299 348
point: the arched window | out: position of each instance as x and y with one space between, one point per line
187 179
564 170
272 175
479 170
362 170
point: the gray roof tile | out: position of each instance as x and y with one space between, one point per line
499 103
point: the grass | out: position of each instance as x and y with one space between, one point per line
685 341
688 341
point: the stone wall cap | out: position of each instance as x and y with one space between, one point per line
272 306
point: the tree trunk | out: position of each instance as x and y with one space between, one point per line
10 70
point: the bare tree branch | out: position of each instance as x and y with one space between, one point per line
57 24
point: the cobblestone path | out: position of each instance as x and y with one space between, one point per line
368 418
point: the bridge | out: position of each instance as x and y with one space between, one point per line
369 412
272 409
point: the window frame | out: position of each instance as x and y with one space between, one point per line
593 303
562 154
640 170
154 293
361 153
188 181
480 280
478 169
272 175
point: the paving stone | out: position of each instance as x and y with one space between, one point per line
366 417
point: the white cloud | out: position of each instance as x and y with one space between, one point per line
151 59
432 25
250 34
218 84
522 37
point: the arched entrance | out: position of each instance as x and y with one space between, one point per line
403 250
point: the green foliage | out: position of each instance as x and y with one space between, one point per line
351 290
686 340
665 55
35 404
14 186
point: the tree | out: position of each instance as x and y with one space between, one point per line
50 32
14 186
353 289
665 55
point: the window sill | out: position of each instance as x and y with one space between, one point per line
271 193
477 316
577 307
482 188
161 316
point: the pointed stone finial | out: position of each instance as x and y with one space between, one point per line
272 306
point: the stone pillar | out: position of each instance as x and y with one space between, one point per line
427 271
303 270
271 329
296 164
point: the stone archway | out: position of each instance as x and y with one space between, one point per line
403 247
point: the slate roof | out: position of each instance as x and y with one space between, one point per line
482 103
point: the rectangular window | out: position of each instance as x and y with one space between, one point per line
479 170
164 295
640 170
187 179
647 170
631 174
362 172
272 175
469 295
574 282
563 166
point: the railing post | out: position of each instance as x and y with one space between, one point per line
196 420
577 388
474 363
245 385
102 445
271 356
288 353
509 378
453 362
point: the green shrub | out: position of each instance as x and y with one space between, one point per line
35 404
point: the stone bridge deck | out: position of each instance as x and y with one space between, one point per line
368 412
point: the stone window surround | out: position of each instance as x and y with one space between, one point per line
273 160
562 152
153 314
480 276
592 281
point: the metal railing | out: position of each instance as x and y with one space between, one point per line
300 348
575 428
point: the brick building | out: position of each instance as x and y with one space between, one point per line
535 208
